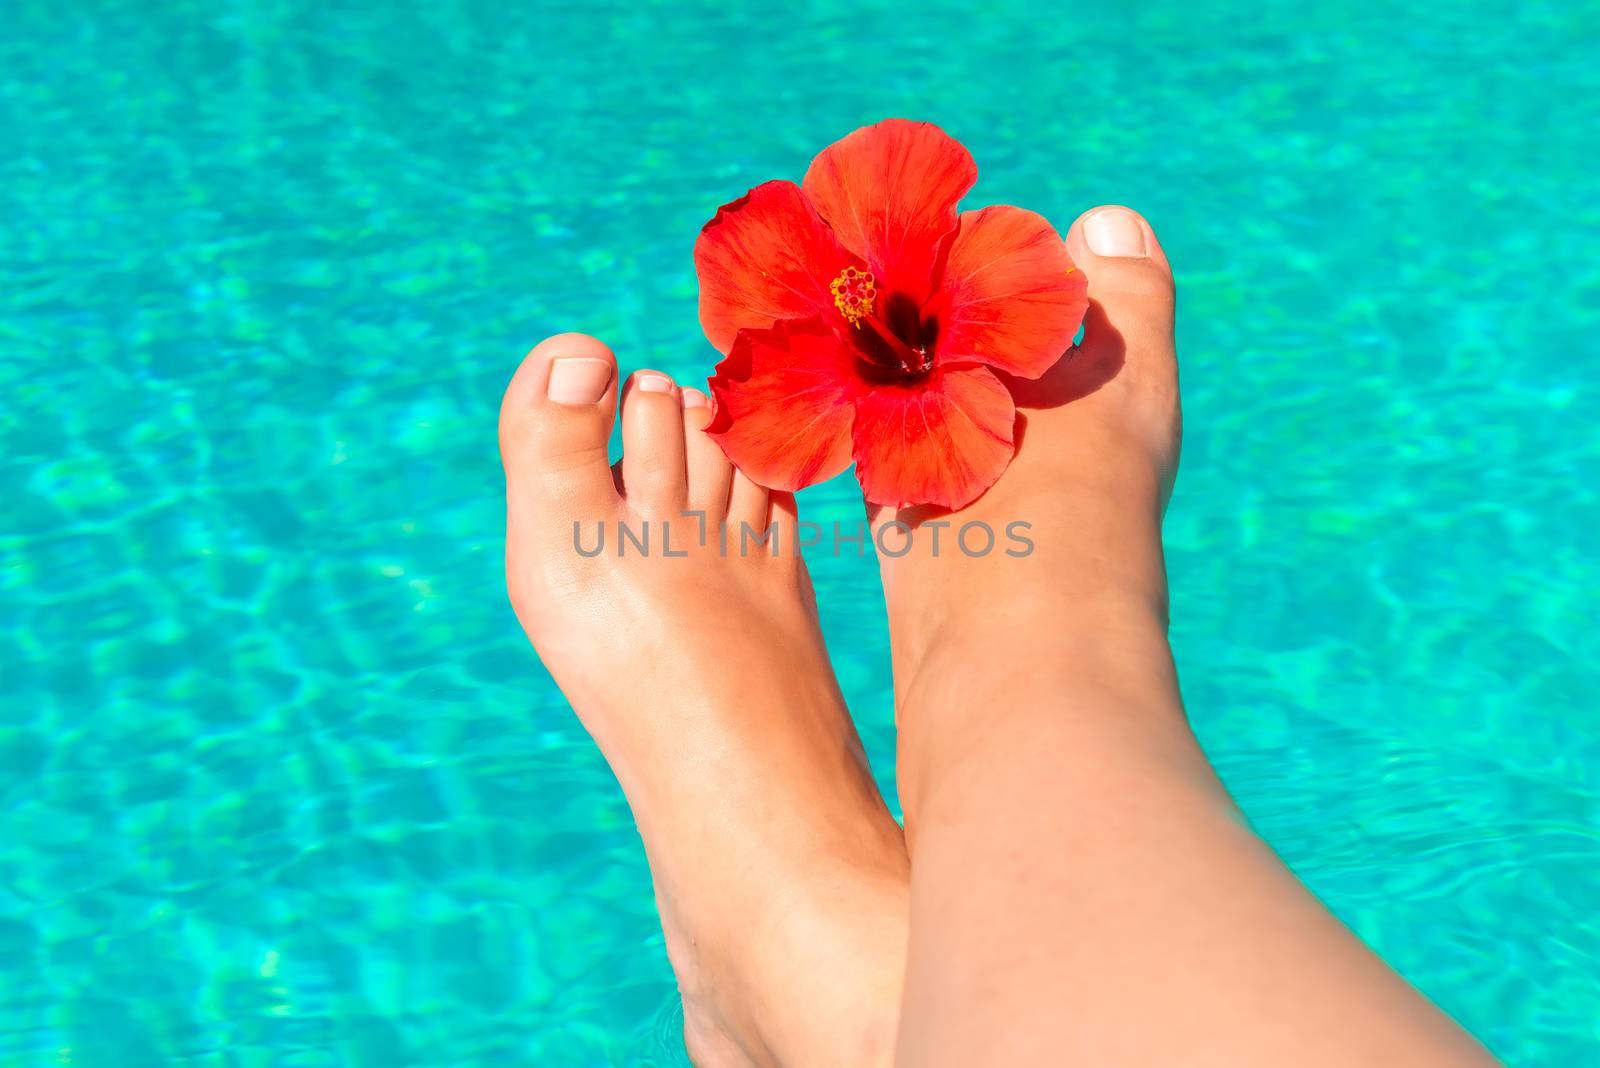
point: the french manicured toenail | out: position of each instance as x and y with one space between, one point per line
1114 232
653 384
578 379
693 398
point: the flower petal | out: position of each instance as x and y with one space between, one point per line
943 440
890 192
784 404
1010 295
766 256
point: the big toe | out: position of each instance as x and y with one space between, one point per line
555 424
1130 280
1127 333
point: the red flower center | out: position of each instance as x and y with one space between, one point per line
899 340
853 293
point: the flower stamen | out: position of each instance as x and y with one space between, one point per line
853 293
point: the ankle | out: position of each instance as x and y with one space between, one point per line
1117 626
1100 685
1071 744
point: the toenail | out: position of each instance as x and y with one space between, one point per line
653 383
693 398
1114 232
578 380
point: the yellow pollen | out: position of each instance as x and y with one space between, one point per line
853 293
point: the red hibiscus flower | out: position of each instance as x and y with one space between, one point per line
862 319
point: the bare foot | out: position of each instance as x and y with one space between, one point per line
779 873
1075 519
1076 863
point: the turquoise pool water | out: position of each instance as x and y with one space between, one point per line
280 782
